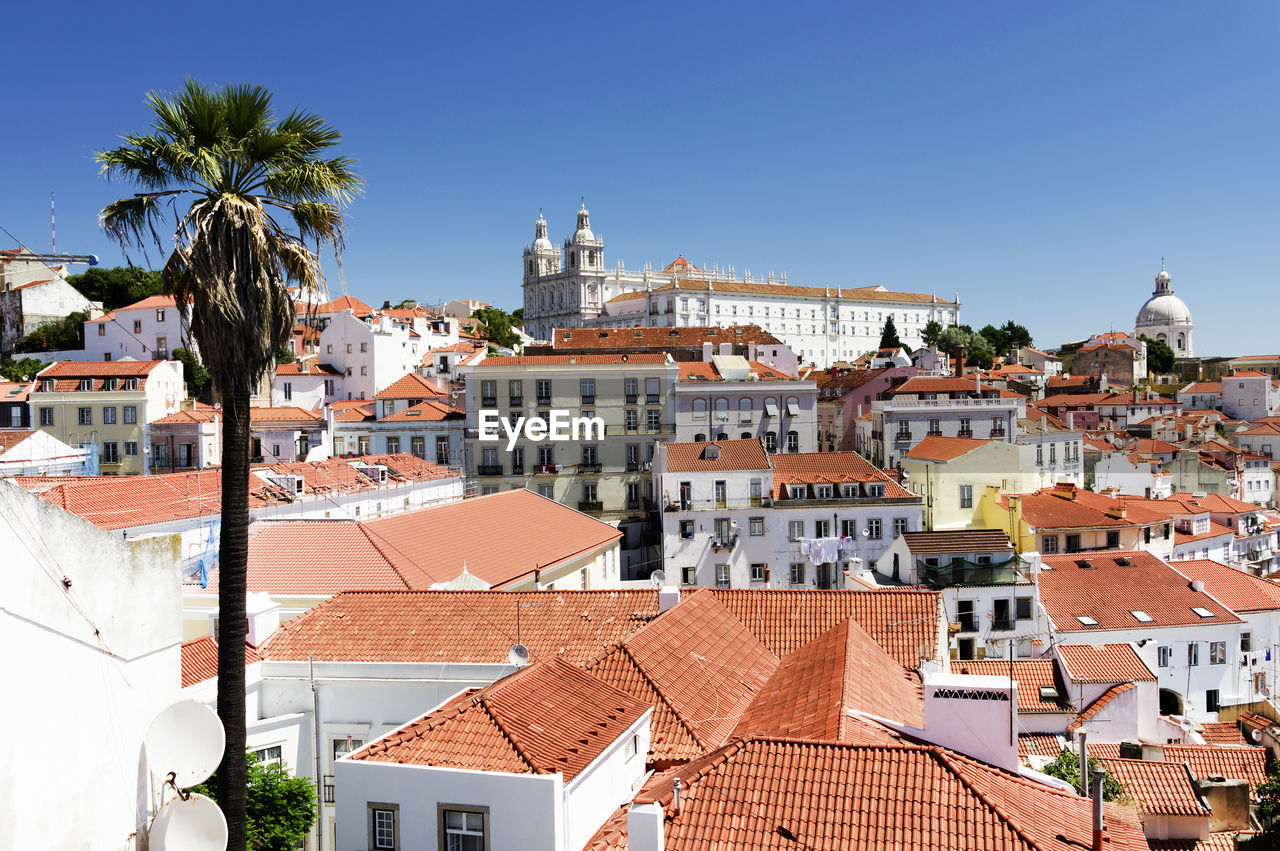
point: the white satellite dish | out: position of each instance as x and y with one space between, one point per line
658 578
1256 735
194 823
187 740
518 655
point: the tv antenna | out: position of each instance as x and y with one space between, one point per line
184 744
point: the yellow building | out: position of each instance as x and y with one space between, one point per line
109 405
951 473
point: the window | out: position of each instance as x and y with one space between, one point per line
131 447
688 576
904 428
899 526
873 529
756 526
722 576
159 314
1246 642
1211 696
46 416
797 573
269 756
653 418
542 387
758 572
384 828
1022 608
86 416
770 442
699 409
1201 611
1141 616
364 347
793 441
1163 657
463 828
85 385
364 370
442 449
1193 654
110 452
102 330
630 390
795 530
547 491
744 410
686 529
966 496
1086 620
162 347
798 491
329 349
587 390
393 446
822 491
1113 540
935 426
1217 652
137 326
1073 543
822 528
652 387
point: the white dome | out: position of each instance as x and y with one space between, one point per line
1163 278
542 244
582 235
1164 309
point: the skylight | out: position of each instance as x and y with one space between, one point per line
1142 616
1085 620
1203 612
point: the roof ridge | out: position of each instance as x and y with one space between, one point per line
949 763
1097 705
482 700
385 557
644 675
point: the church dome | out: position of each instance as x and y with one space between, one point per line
541 244
1163 309
583 234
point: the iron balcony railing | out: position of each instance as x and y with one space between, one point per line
488 469
590 467
591 506
965 572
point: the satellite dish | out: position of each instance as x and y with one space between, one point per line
866 533
518 655
187 740
658 578
1256 735
195 823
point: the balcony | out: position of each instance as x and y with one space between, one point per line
640 428
633 466
651 398
902 437
630 398
725 543
488 469
517 469
968 622
516 401
633 505
591 506
588 400
590 467
965 432
546 469
965 572
997 432
543 401
1004 624
488 401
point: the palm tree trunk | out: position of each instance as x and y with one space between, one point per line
233 615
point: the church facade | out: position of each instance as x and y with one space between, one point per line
1166 318
570 287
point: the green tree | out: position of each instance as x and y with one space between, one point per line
65 333
1067 767
21 370
280 808
1015 334
998 339
977 349
517 317
932 332
889 335
284 354
260 188
497 326
1160 355
194 374
117 286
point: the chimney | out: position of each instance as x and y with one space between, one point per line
1197 586
707 351
644 827
1098 774
676 786
668 597
959 370
1229 802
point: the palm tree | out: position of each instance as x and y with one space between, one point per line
228 173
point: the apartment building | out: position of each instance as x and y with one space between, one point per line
945 407
110 405
604 475
150 329
730 397
736 516
371 350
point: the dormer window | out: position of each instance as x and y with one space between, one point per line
823 491
849 491
48 385
875 490
113 383
798 491
85 384
131 384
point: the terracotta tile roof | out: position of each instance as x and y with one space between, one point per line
1217 503
200 413
200 660
1038 744
462 626
346 302
1045 511
1234 763
1160 788
872 293
1202 387
413 386
745 454
306 368
812 692
695 371
1104 663
1031 675
567 360
1101 702
10 439
1254 721
937 448
427 411
698 666
15 391
1221 841
783 794
648 338
283 413
353 413
957 541
68 374
1248 373
1146 584
929 384
1216 530
1223 733
317 558
500 537
549 718
902 621
829 468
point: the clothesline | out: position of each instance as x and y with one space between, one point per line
826 550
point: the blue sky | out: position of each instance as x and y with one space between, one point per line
1038 159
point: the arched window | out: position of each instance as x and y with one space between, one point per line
771 441
746 435
793 441
699 409
591 258
744 410
573 259
529 265
722 410
1182 342
722 436
700 437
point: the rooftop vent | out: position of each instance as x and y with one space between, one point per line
1048 693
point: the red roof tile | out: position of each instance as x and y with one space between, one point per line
1221 841
317 558
67 374
413 386
11 391
648 338
1217 503
1031 675
1235 589
935 448
306 368
1038 744
1222 733
427 411
1160 788
1234 763
346 302
716 455
1146 584
566 360
829 468
283 414
1104 663
549 718
784 794
200 660
957 541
